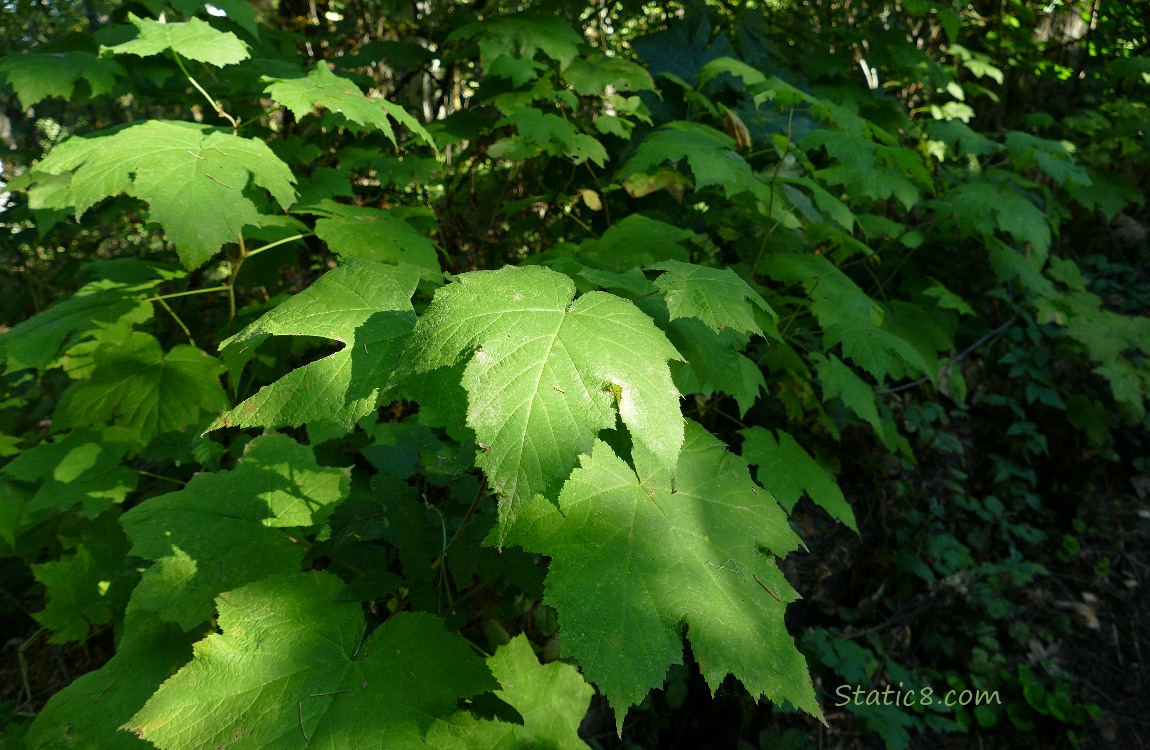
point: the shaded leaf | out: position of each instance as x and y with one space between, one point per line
87 713
788 471
37 76
220 531
291 661
137 386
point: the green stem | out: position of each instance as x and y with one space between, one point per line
277 243
260 116
179 322
215 105
143 473
209 290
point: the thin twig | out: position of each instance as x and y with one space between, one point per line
953 361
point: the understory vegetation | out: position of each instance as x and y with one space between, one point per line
561 375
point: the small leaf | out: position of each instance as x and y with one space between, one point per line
522 35
192 39
37 76
718 297
710 154
788 471
322 88
551 698
86 587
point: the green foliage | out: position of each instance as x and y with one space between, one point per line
546 372
191 176
665 547
509 350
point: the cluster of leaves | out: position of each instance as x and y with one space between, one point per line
559 359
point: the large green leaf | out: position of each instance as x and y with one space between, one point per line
547 372
291 668
220 531
323 89
551 698
192 39
716 296
36 76
638 553
192 177
135 385
364 305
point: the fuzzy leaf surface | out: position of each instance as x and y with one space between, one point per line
323 89
193 39
220 531
191 176
636 554
290 669
364 305
716 296
547 372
